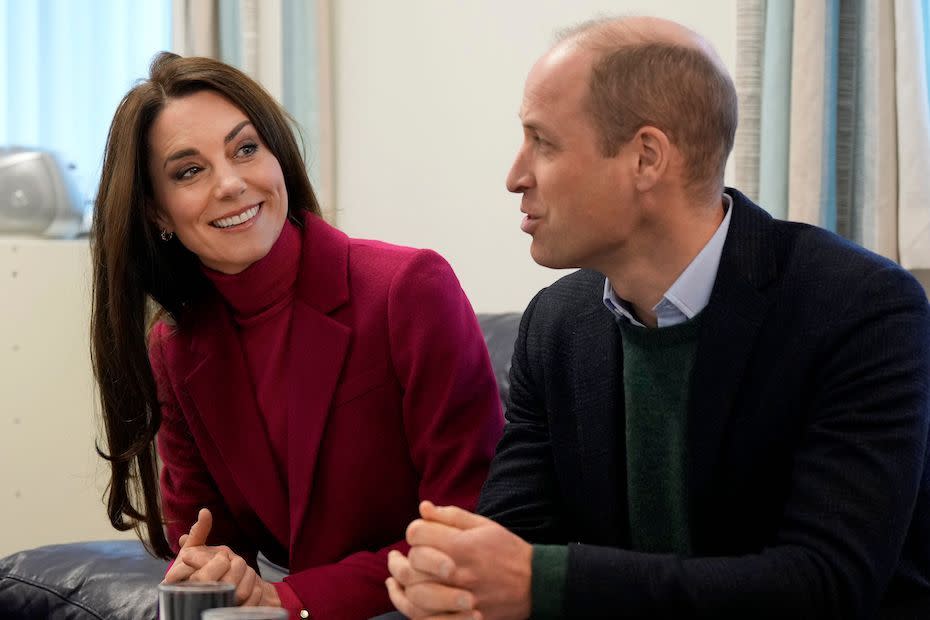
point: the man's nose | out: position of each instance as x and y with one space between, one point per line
520 178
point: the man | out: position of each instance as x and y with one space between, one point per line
732 423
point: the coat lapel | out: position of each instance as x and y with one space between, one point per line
318 348
601 423
731 322
221 389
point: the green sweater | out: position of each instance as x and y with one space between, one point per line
657 366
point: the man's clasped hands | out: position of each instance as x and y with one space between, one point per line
460 565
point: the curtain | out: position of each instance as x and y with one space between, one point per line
912 55
65 65
285 46
843 135
749 38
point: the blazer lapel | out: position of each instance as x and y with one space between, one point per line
731 323
222 392
597 388
318 348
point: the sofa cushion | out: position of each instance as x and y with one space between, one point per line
500 332
104 580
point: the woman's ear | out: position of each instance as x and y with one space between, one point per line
654 150
157 216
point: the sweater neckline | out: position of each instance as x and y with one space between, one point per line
265 286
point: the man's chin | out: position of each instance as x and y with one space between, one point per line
550 259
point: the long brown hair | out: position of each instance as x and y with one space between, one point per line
136 274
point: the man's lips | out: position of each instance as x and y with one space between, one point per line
529 223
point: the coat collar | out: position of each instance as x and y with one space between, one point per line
324 269
222 391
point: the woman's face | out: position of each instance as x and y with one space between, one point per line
216 184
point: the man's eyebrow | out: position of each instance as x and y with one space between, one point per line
236 130
534 126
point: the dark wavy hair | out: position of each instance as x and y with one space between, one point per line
137 276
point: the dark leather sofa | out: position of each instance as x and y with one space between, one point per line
116 580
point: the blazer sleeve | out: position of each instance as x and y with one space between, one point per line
521 487
185 484
452 422
855 477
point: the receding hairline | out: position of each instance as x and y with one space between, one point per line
667 49
604 34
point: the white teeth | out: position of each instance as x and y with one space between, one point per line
232 220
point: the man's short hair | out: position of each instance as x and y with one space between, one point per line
678 89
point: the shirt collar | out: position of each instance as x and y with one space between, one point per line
689 294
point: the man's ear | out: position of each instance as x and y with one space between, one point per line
654 151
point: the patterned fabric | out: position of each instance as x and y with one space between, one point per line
750 26
873 190
910 19
843 137
811 144
776 107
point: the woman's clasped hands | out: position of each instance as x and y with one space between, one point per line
196 561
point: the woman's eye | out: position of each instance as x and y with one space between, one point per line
247 149
187 173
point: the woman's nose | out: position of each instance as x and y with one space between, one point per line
229 185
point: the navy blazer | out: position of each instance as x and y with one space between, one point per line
807 430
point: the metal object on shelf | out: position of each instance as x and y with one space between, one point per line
38 195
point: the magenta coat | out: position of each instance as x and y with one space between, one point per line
392 400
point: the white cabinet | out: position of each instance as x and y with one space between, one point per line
51 479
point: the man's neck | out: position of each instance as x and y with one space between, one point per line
661 254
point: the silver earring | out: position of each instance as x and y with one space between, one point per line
166 235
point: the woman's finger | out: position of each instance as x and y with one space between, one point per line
212 570
199 530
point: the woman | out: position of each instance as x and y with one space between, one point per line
307 389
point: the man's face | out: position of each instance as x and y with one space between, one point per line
578 203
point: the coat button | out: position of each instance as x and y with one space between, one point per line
304 613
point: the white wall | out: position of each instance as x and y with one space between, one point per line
427 93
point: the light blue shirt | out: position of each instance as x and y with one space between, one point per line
690 293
